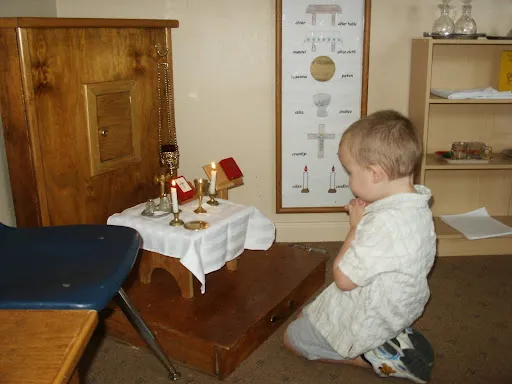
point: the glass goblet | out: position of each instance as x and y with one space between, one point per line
201 186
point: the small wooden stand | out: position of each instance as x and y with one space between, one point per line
223 184
185 279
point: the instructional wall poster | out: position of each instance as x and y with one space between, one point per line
321 89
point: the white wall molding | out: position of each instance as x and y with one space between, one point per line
311 231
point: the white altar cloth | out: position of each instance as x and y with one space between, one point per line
233 228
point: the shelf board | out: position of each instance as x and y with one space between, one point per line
479 41
444 231
451 242
441 100
499 161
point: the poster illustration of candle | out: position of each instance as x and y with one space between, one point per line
321 88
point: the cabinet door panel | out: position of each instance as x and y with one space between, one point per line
62 61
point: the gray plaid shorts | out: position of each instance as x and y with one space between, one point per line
306 340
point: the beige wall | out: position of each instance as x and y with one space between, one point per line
224 83
10 8
35 8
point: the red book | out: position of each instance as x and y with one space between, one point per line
230 168
183 189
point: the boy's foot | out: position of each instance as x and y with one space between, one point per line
407 356
419 342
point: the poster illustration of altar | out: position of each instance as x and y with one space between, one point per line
321 88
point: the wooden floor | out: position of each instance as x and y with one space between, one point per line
215 332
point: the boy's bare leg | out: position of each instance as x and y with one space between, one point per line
358 361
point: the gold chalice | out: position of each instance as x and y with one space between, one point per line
201 186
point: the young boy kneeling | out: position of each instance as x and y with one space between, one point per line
380 274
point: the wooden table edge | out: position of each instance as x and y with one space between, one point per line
77 347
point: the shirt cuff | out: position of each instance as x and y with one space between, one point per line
352 269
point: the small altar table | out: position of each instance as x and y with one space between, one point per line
232 229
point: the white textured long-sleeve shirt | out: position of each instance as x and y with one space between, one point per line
389 259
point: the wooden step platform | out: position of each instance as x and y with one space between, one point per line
215 332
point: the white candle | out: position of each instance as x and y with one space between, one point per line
174 196
213 180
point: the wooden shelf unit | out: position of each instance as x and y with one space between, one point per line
458 188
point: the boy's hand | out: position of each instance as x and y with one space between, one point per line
355 209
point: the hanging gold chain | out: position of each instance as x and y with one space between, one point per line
170 106
169 153
159 88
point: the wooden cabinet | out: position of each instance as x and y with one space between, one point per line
78 100
459 188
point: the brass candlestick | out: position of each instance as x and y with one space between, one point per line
212 200
176 222
201 186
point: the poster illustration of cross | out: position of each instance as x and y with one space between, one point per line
321 136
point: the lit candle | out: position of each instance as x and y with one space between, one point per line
213 180
174 196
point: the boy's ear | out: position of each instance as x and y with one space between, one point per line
377 173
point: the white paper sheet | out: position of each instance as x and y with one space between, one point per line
477 224
476 93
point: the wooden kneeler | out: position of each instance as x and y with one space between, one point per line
185 279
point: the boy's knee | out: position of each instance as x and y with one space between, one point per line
289 345
286 337
286 340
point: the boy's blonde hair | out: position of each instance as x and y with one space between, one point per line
386 138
